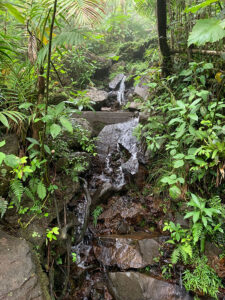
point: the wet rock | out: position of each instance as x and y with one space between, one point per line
141 89
98 97
18 277
114 84
102 193
121 210
127 251
137 286
11 147
92 287
98 119
143 117
135 106
117 146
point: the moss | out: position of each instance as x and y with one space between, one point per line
42 277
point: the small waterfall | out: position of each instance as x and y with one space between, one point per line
120 93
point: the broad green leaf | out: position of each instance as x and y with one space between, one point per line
204 221
178 163
2 143
186 72
41 190
174 192
4 120
205 31
25 105
179 156
193 117
189 215
180 131
196 200
55 130
12 161
47 149
33 141
59 108
195 8
66 124
196 216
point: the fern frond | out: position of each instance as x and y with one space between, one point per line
29 193
175 255
186 250
197 230
17 189
3 206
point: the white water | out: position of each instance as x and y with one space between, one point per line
120 93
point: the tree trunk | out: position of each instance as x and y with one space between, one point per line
164 48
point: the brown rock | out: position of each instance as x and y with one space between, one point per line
127 251
137 286
18 278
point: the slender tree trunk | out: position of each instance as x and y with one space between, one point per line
162 29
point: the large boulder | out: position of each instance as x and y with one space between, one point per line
120 152
141 89
137 286
18 272
98 98
114 83
128 251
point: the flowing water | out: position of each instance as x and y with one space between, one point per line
121 92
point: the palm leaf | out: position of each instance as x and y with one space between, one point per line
82 11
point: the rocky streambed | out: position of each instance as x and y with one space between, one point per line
110 223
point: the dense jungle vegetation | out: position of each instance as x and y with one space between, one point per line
51 52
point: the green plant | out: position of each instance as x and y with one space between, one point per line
203 279
181 238
204 220
74 257
51 234
166 271
96 213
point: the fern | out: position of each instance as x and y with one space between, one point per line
29 193
175 255
3 206
17 189
183 252
197 230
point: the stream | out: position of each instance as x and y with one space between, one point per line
120 244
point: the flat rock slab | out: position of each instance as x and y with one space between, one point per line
99 119
137 286
128 251
18 280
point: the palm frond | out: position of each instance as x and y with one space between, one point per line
66 38
144 7
82 11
